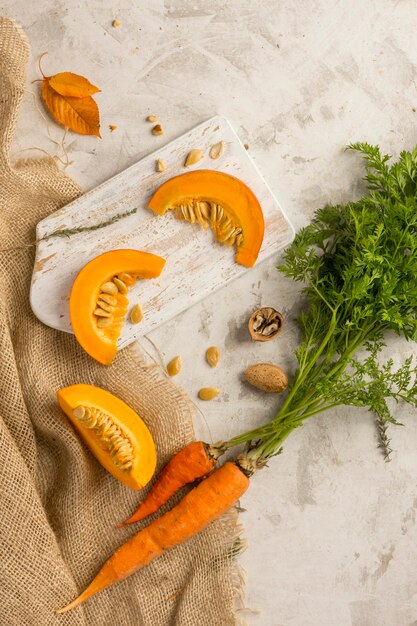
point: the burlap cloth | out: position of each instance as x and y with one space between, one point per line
58 506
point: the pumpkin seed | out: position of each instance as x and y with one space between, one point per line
160 165
106 297
120 285
185 212
227 231
224 235
106 430
105 306
128 279
191 213
174 366
205 209
126 466
104 322
152 118
136 314
217 150
157 130
109 288
213 356
102 313
213 216
194 157
79 412
199 217
208 393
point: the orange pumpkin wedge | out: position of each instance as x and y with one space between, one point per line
220 200
113 432
98 302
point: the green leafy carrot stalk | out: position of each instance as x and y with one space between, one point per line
358 264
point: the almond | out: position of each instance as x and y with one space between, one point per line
266 376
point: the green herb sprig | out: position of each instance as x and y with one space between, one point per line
69 232
358 264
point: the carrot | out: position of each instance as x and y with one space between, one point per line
192 462
201 506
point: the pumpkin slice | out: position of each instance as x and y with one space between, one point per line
114 433
98 302
220 200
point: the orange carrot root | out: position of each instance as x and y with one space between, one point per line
201 506
192 462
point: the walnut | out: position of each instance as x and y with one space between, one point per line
265 324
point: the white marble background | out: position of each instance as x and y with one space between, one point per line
331 528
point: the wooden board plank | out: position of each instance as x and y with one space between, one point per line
196 265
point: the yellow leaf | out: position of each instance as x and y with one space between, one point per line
73 85
80 114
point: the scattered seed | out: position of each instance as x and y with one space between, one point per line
112 128
109 288
152 118
208 393
157 130
160 165
136 314
174 366
217 150
116 23
120 285
246 146
213 356
193 157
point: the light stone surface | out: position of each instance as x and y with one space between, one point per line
331 528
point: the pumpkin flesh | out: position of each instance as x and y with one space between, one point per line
101 343
128 424
220 200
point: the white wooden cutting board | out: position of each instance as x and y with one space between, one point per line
196 265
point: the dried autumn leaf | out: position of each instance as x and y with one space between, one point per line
80 114
72 85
